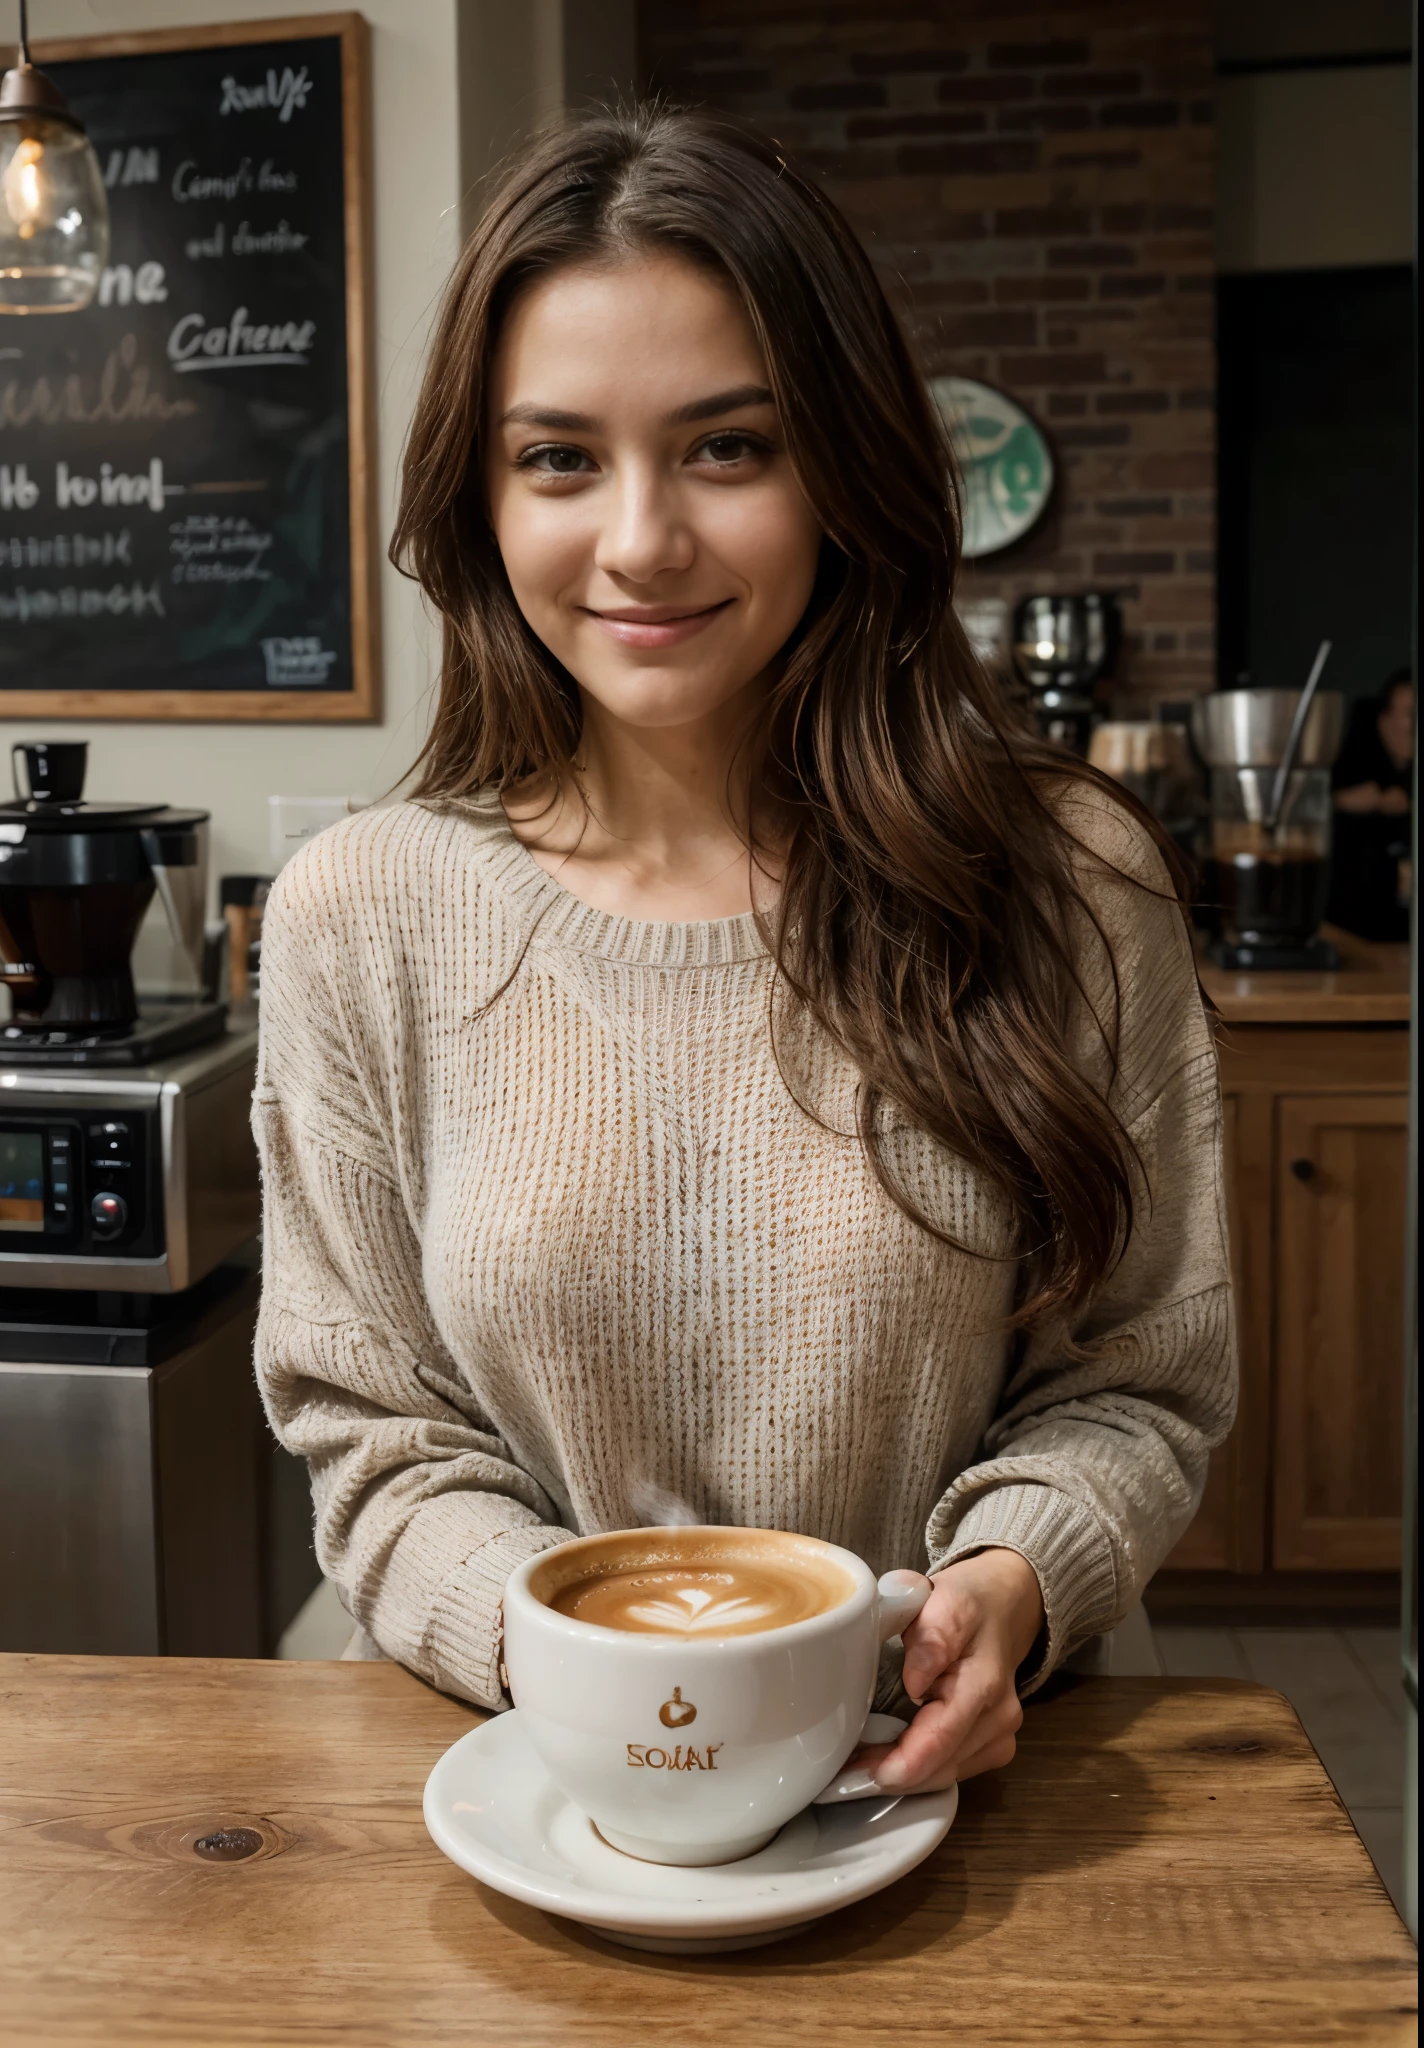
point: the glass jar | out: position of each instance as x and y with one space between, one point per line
1270 883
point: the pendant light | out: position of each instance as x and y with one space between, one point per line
54 215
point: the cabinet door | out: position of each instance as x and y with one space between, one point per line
1229 1532
1340 1253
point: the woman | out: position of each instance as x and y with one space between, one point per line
747 1082
1373 780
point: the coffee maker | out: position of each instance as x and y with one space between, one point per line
76 880
1061 646
1267 851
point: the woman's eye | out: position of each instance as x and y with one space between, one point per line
555 460
730 448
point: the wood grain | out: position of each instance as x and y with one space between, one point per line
1371 987
1341 1196
1165 1863
1285 1060
1318 1272
361 704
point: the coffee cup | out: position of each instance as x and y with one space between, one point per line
691 1689
54 770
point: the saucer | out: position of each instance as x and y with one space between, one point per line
493 1809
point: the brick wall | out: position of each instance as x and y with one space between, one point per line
1035 186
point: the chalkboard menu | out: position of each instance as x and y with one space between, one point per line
185 509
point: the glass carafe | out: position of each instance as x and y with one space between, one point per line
1271 882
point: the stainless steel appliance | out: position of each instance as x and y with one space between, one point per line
135 1468
1062 644
1267 851
135 1474
137 1478
134 1180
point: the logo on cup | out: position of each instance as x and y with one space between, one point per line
676 1712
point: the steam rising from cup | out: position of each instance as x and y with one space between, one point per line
655 1508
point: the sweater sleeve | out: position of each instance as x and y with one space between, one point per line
421 1511
1095 1462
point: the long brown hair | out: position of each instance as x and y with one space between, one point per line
929 915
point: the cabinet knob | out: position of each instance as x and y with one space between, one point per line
1303 1169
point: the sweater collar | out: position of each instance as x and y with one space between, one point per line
565 920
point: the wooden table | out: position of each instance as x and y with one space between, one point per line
1166 1862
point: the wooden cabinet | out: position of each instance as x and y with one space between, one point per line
1315 1139
1338 1442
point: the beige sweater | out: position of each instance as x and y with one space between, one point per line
552 1247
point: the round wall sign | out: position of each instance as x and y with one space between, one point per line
1003 459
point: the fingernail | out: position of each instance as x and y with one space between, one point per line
890 1775
854 1784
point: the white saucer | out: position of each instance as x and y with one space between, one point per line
492 1808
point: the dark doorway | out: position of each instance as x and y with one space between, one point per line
1316 502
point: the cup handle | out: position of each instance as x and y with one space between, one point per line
902 1595
22 795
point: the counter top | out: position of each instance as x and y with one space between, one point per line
1165 1862
1371 987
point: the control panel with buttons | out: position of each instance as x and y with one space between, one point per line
84 1184
59 1203
112 1146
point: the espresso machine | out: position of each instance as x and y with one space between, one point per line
135 1471
1266 866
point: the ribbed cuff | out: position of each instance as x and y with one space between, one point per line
461 1636
1065 1544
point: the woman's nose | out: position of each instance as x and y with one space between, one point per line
644 534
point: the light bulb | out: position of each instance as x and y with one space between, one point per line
54 219
24 192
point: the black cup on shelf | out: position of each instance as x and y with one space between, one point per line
54 770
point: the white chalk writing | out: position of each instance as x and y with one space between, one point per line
113 487
18 490
217 548
64 550
278 241
189 183
285 94
131 167
238 344
132 600
296 661
120 283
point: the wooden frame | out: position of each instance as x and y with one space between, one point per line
362 703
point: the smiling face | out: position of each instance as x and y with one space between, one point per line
652 528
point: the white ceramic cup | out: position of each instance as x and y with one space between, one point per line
697 1750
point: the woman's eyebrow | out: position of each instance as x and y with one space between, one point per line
720 401
709 408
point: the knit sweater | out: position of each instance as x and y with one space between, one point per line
568 1228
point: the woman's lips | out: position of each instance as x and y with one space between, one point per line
657 625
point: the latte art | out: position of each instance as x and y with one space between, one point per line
732 1598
